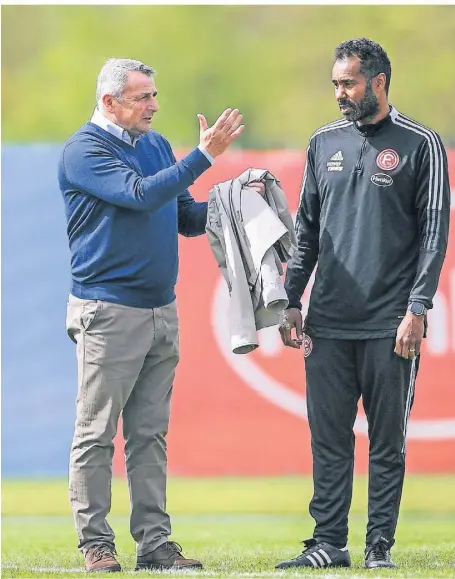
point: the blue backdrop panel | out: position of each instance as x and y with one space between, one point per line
38 359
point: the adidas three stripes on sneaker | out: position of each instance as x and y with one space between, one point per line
318 555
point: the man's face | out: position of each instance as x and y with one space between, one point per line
354 94
135 110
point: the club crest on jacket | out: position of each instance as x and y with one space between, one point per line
387 160
307 346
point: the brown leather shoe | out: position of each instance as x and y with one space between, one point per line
101 558
166 556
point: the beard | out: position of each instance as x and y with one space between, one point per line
367 107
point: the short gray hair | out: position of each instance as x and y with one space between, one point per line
113 77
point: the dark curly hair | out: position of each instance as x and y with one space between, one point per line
373 58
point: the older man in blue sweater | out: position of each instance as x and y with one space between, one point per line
126 199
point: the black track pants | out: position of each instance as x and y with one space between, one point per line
338 372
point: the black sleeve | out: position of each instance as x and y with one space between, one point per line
433 211
303 261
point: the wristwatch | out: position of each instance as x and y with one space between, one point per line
417 309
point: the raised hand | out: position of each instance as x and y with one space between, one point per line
216 139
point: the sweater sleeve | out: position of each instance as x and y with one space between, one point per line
433 213
303 260
98 172
192 215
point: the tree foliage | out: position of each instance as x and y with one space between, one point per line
272 62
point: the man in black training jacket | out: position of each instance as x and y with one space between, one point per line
374 214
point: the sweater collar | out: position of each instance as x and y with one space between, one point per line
101 121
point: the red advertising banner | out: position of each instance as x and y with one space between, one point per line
246 414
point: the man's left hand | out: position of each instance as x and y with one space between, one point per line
257 186
409 336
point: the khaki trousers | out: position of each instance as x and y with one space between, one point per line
126 364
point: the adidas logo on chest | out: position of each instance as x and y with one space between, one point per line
335 163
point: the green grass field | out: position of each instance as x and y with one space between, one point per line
238 527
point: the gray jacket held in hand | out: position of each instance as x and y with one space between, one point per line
251 236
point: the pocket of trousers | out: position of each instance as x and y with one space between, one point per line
89 313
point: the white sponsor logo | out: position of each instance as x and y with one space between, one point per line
381 179
334 166
337 157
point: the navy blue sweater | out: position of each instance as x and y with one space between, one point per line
125 206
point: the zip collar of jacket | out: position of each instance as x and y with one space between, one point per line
373 128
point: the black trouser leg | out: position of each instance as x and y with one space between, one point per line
332 396
387 384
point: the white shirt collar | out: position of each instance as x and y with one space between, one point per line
99 119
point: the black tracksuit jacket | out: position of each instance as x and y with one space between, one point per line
374 213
